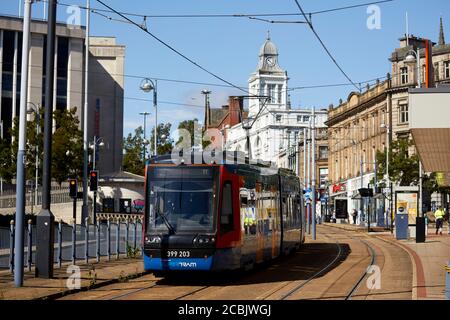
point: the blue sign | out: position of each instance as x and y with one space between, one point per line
308 193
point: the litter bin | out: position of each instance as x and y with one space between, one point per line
401 226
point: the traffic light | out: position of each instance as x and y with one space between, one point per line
73 190
93 180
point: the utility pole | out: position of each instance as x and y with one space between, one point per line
20 177
304 158
145 114
155 105
45 219
313 174
308 180
84 210
361 206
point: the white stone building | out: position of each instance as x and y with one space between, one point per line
277 127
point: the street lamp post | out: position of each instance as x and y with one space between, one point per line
387 169
148 85
34 109
412 57
96 143
145 114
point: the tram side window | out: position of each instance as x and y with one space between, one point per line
226 213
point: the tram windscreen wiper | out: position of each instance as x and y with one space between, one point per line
166 222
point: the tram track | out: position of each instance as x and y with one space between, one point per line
323 288
354 288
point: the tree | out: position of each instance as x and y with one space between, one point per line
195 130
67 146
133 146
164 142
403 167
67 137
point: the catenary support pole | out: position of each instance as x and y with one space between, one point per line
313 173
84 210
45 219
20 177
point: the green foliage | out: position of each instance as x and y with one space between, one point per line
191 126
188 125
164 145
67 146
92 276
132 252
133 146
403 167
67 137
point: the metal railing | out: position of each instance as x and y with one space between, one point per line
76 242
59 194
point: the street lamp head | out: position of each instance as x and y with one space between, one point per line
101 144
147 85
206 92
411 57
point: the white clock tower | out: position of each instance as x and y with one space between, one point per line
268 80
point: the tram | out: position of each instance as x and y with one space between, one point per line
217 217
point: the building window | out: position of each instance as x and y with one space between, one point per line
436 71
323 174
271 93
404 75
278 117
305 118
323 152
280 90
447 69
403 113
299 118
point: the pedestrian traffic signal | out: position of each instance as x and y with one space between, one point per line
93 180
73 190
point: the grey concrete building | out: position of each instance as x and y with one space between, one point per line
106 81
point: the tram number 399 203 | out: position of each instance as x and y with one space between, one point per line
178 254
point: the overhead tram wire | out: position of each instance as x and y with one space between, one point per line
232 15
173 49
324 46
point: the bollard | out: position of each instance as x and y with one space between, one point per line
108 240
127 234
118 240
447 281
30 244
74 241
98 240
11 246
59 244
135 234
86 241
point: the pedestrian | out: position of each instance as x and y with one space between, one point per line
354 215
439 215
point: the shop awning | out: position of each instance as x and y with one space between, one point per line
429 115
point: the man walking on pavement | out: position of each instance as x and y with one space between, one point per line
439 215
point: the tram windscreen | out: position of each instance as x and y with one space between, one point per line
181 199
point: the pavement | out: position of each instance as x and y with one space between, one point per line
429 259
92 275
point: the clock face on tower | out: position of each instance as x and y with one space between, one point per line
270 61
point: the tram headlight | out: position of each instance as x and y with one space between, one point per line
153 239
204 239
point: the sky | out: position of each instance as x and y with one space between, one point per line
229 47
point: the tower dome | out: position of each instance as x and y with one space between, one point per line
268 48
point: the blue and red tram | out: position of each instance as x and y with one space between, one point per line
219 217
